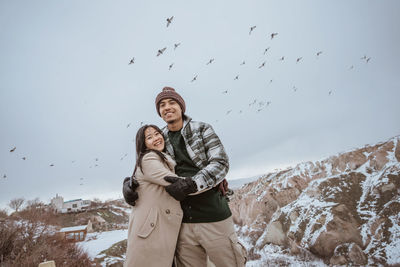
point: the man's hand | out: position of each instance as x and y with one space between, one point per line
129 190
223 187
180 187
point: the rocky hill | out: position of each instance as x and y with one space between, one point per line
343 209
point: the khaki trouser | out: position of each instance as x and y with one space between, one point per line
217 240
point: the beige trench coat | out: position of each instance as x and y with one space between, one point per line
156 218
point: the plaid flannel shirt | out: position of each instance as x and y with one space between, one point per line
206 151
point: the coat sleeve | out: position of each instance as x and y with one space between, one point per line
154 170
218 161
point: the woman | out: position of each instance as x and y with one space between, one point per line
156 218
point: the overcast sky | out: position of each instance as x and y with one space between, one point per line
67 93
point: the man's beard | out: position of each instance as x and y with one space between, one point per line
170 121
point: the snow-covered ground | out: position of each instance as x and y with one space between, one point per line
273 255
97 242
270 255
127 210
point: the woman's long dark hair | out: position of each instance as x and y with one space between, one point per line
141 148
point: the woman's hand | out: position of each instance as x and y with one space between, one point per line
129 190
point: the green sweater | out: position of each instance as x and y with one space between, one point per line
209 206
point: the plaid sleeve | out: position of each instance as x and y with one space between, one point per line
217 160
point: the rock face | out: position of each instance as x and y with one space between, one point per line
344 209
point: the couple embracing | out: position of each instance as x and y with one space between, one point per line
180 216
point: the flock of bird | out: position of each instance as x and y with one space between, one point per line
12 150
273 35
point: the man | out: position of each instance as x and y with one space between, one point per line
207 227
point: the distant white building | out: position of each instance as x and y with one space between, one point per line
74 205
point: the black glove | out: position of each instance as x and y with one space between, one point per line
179 187
129 190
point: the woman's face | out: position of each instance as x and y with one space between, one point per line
153 139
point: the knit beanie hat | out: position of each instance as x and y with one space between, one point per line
169 92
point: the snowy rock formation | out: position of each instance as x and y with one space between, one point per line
343 209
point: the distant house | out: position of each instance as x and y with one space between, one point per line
98 222
76 233
74 205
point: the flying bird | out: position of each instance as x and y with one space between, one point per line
24 158
251 29
294 88
170 66
298 59
242 63
273 35
160 51
4 176
194 78
237 77
268 103
229 111
270 81
210 61
330 92
176 45
127 126
366 59
262 65
13 149
81 178
96 159
225 92
282 58
169 20
266 50
141 123
351 67
121 158
319 53
51 165
132 61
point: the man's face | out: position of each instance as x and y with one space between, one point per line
170 110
